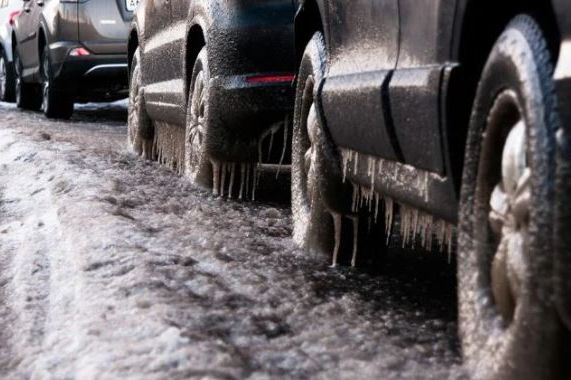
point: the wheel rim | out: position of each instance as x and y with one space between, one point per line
509 203
3 77
18 80
134 111
196 129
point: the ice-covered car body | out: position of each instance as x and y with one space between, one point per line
388 55
410 94
87 45
250 49
9 10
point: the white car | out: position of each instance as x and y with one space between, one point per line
9 10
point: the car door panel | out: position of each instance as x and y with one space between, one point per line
363 53
27 37
162 84
415 92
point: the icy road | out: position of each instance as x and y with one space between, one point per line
112 267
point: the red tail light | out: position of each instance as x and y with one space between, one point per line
79 52
12 17
271 78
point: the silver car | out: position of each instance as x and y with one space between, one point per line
9 10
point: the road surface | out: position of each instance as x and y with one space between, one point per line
114 267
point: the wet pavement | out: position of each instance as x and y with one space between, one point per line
111 267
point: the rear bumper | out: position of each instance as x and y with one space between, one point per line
241 111
238 104
93 77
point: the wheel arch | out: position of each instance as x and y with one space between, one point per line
42 40
308 20
195 41
132 45
478 25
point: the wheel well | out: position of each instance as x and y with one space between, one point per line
307 22
195 41
41 42
132 45
483 22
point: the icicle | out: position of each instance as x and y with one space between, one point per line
355 221
415 224
242 180
232 174
215 177
345 163
337 219
260 141
356 163
286 124
449 233
377 199
425 190
373 176
355 197
248 169
254 182
271 144
223 179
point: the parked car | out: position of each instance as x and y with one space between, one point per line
68 51
447 111
211 86
9 10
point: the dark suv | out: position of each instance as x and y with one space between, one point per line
211 88
70 50
453 118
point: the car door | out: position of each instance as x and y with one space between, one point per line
180 19
27 36
416 89
363 41
161 73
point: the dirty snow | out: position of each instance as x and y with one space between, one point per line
113 267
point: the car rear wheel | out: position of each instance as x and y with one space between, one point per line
508 321
7 81
324 220
140 127
198 167
27 94
56 104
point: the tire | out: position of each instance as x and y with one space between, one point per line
320 199
508 324
140 128
7 80
28 96
197 164
56 104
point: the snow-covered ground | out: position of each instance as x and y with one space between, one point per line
113 267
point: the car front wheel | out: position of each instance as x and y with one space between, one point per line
508 321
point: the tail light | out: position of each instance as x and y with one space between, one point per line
79 52
12 17
283 78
